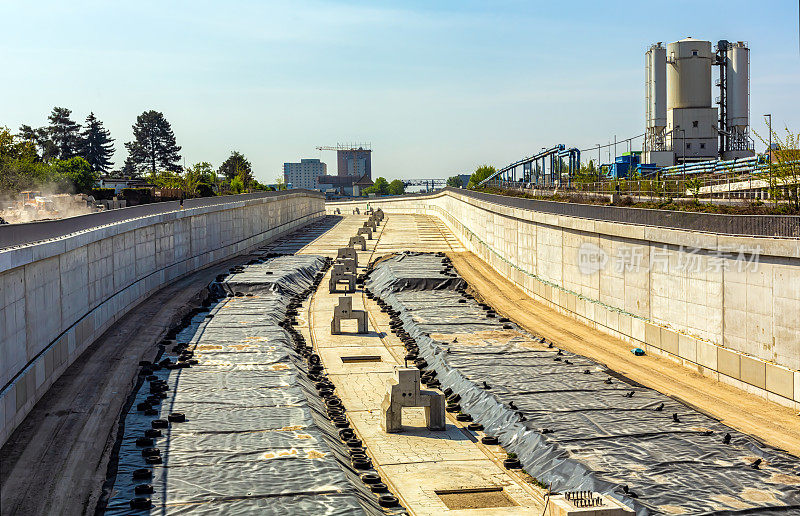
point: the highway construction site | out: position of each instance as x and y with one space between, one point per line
368 363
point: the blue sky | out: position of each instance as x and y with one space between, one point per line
438 88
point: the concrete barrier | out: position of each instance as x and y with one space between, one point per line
727 306
59 295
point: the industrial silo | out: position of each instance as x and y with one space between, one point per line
681 123
658 84
689 74
738 87
691 120
737 100
655 146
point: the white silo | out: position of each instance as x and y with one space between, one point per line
658 85
655 145
738 90
648 73
689 76
691 121
737 101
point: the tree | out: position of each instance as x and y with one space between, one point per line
480 174
237 185
20 167
153 146
396 187
255 185
235 165
693 185
97 146
75 172
129 168
167 179
787 166
280 183
40 138
454 182
379 187
200 179
64 133
784 167
15 148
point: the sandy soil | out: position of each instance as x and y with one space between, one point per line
772 423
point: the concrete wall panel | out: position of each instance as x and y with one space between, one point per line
57 297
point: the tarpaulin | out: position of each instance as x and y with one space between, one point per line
573 424
255 439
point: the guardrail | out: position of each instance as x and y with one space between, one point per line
26 233
739 225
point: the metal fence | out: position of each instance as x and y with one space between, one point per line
740 225
29 232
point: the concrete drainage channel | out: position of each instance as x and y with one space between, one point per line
569 422
236 414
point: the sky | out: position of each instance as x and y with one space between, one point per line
437 88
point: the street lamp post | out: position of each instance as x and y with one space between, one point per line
598 162
769 117
769 148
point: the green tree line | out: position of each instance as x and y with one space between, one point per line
66 156
383 187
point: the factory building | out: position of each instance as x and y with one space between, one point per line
681 123
305 174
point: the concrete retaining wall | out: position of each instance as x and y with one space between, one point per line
58 296
726 306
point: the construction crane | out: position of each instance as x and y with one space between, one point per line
346 146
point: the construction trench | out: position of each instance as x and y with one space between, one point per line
253 404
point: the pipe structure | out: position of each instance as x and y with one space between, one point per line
535 169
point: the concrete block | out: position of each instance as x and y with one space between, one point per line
687 347
796 386
2 417
728 363
707 354
752 371
779 380
21 392
48 363
669 341
344 310
404 391
637 329
10 402
39 373
652 334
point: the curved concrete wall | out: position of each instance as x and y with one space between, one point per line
727 306
58 296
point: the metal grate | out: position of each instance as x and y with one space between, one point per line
583 499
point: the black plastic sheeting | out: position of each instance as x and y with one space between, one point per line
255 439
573 424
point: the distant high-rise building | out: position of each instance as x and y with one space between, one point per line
354 162
304 174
